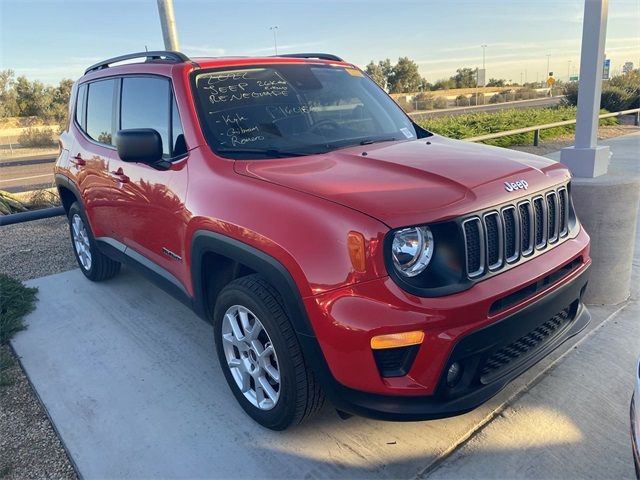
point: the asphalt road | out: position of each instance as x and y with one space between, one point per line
28 173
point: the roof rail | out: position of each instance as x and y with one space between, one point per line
320 56
169 56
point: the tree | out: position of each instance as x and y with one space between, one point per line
444 84
405 77
377 74
59 107
8 100
465 77
34 99
496 82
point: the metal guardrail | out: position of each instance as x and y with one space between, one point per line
536 128
31 215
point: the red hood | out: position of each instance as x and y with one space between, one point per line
413 182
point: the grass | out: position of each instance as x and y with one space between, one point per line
482 123
16 300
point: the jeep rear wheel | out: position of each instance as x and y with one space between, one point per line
95 265
261 357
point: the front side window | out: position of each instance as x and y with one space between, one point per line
145 104
100 111
295 109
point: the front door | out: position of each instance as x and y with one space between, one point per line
151 217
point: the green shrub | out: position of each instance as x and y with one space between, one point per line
620 93
36 137
462 101
440 102
615 99
16 300
482 123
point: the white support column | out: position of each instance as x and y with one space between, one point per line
586 158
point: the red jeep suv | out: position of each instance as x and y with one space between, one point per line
337 248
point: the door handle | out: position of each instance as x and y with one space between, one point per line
119 175
78 161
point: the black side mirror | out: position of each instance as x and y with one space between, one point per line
142 145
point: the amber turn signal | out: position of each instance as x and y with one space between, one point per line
395 340
355 244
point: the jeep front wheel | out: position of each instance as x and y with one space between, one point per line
261 357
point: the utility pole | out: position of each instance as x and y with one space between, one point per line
274 29
548 57
168 23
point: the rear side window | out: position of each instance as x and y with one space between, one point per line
146 103
100 111
81 105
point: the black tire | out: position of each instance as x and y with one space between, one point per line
101 266
300 395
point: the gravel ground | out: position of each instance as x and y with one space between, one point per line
29 446
36 249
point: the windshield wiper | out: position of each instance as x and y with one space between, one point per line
369 141
270 152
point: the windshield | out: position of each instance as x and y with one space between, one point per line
295 109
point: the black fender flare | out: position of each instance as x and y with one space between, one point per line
205 241
62 181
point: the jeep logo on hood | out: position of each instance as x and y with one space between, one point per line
511 186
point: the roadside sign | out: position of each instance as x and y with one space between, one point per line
481 77
573 78
606 69
550 81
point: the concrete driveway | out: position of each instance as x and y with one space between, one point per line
131 382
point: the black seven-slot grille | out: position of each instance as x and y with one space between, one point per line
506 235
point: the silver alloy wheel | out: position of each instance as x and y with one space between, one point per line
81 241
251 357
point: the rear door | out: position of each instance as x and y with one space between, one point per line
93 155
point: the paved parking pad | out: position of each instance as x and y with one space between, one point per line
130 379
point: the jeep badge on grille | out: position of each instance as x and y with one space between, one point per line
511 186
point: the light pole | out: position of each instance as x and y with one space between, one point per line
569 71
274 29
168 24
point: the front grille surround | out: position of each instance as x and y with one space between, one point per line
531 225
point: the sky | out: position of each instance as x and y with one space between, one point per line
54 39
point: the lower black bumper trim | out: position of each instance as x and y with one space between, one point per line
451 402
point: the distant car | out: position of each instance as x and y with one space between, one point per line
337 247
635 422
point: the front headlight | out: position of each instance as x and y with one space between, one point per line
412 250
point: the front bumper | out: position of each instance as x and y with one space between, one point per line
472 352
458 328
